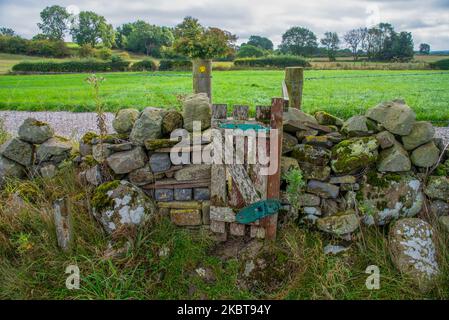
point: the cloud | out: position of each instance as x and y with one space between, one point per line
427 20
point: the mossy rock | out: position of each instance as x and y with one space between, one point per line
354 154
326 119
154 144
88 137
100 198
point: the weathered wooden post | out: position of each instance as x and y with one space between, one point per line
294 81
202 77
63 223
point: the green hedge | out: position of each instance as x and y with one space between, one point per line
71 66
42 48
440 64
144 65
272 62
177 65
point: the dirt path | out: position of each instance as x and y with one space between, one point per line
74 125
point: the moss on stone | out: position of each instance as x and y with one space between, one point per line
88 137
38 123
90 161
354 153
100 198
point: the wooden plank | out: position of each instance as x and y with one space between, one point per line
174 184
219 111
274 181
224 214
240 112
202 76
243 181
218 196
294 82
63 223
263 114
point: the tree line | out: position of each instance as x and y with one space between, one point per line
191 39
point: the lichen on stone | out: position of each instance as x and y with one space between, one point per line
101 199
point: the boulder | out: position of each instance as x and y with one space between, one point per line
319 141
425 156
354 154
386 139
293 120
301 134
127 161
309 200
394 159
54 150
141 176
121 208
172 120
34 131
124 120
10 169
147 126
48 171
324 190
196 107
422 132
340 224
437 188
313 172
193 172
288 142
439 208
126 146
311 154
160 162
287 164
101 151
327 119
413 251
94 176
18 151
385 197
444 222
85 143
356 126
316 211
343 180
395 116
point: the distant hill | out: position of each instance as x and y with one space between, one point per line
440 52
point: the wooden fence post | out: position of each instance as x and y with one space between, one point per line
63 223
294 82
202 77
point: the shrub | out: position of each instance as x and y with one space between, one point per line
272 62
440 64
86 51
144 65
104 54
247 51
178 65
71 66
43 47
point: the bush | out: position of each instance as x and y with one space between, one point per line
71 66
247 51
86 51
144 65
440 64
43 48
272 62
104 54
178 65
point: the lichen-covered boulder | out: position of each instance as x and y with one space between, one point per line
124 120
141 176
121 208
101 151
437 188
10 169
193 172
172 120
314 172
394 159
422 132
395 116
18 151
34 131
358 126
439 208
288 142
413 251
425 156
311 154
320 141
386 139
127 161
339 224
354 154
147 126
288 164
294 114
54 150
386 197
328 119
196 107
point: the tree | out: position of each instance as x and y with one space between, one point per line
260 42
402 48
424 48
148 39
7 32
91 28
331 42
247 50
54 22
299 41
122 34
195 41
354 38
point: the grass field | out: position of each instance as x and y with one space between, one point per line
343 93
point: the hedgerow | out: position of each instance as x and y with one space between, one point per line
75 66
272 62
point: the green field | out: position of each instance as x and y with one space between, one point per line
343 93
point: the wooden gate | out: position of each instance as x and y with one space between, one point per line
237 185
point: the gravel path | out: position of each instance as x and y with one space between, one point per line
74 125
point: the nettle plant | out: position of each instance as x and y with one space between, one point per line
295 186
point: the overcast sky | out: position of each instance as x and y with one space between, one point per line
428 20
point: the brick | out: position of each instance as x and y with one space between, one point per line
183 194
257 232
223 214
201 194
237 229
218 226
163 194
186 217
